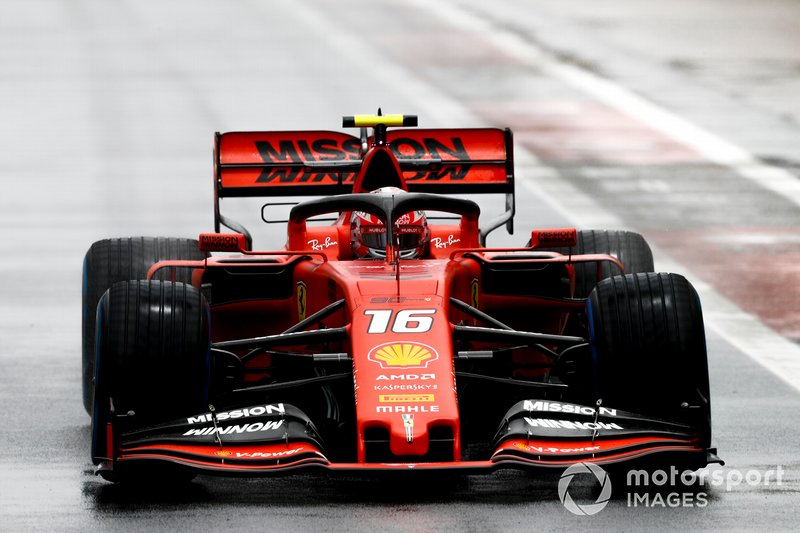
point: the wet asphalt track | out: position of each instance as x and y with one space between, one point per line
109 113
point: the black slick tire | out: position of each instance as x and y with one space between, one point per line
153 358
649 350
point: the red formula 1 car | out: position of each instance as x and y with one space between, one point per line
387 337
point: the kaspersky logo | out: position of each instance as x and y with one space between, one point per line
403 355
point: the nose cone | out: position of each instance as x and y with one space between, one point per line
405 386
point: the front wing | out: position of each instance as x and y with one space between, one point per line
273 439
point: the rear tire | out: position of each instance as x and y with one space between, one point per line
649 349
152 361
112 260
631 249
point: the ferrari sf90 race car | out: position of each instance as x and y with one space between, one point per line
385 335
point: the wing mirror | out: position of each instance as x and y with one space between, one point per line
554 238
222 242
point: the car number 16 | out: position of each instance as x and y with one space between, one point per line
405 321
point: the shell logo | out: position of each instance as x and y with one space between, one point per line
223 453
403 355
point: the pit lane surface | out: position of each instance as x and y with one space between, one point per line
109 112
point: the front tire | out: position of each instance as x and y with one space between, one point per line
153 357
649 349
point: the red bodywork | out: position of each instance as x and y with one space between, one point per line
399 318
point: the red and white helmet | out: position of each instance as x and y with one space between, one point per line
368 233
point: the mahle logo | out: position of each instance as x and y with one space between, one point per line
585 509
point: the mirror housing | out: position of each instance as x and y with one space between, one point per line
222 242
554 238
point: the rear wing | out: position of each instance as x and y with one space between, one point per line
323 163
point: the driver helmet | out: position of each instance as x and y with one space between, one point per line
368 233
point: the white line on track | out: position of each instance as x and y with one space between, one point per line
744 331
712 147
